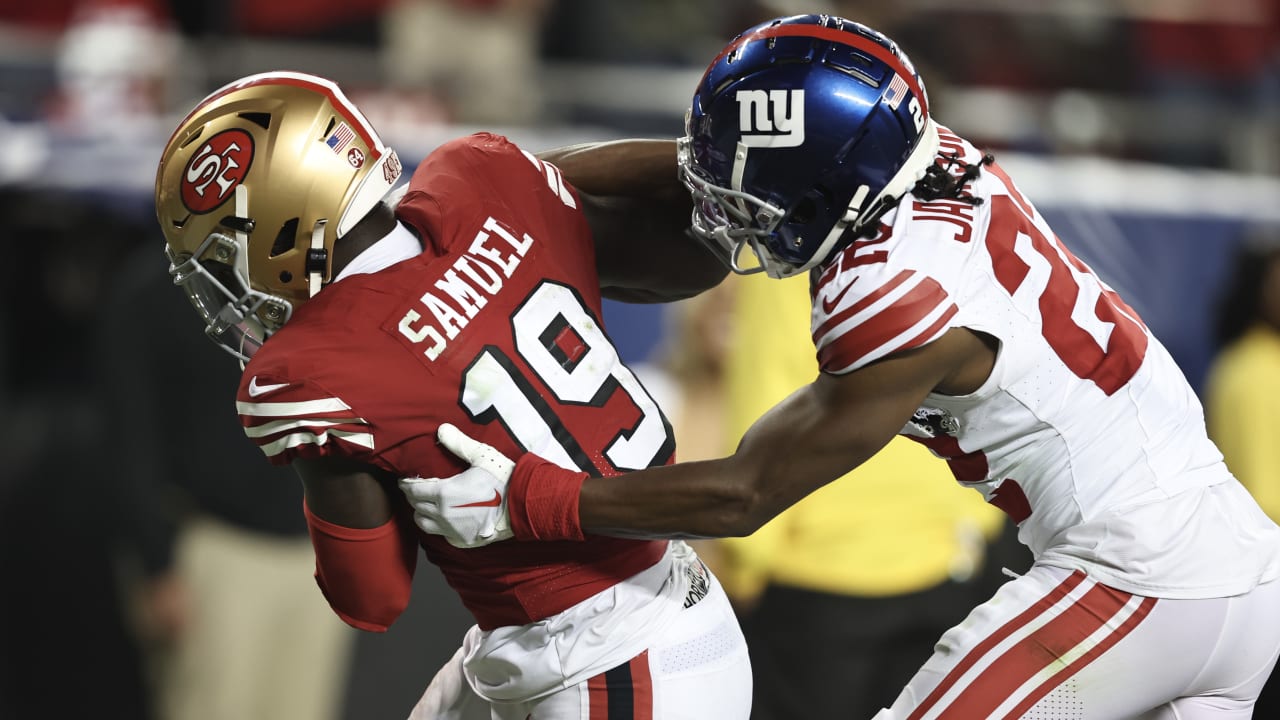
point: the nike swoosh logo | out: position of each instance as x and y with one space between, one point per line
494 502
829 304
255 389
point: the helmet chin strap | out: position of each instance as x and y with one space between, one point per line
739 167
241 230
317 259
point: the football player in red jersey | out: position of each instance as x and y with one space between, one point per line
946 310
367 315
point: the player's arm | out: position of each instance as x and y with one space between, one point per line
639 216
346 492
814 436
365 554
817 434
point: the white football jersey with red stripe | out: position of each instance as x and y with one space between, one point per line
1086 433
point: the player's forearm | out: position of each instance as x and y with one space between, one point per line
792 450
796 447
684 269
366 574
634 167
645 251
346 492
704 499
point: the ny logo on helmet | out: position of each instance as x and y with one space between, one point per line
771 118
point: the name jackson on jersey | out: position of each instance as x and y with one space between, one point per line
465 288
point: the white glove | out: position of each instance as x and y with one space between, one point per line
470 508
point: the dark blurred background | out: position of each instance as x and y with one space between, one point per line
1148 131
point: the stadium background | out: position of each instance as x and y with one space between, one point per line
1148 132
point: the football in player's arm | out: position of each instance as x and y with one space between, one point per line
946 310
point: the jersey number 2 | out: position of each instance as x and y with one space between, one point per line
566 352
1095 333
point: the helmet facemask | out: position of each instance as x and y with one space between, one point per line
729 221
215 279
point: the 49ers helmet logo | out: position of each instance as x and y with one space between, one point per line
216 169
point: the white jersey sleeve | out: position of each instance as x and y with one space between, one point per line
875 299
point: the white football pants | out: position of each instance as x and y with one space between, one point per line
1054 645
695 669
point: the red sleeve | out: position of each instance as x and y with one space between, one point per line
366 575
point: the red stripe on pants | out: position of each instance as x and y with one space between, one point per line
1140 614
601 695
598 698
642 686
1036 609
1041 649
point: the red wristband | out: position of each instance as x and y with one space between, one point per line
542 500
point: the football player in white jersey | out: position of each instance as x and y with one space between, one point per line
946 310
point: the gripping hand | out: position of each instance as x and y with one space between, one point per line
469 509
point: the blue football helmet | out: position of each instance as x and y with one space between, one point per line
803 131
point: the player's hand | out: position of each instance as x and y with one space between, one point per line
470 508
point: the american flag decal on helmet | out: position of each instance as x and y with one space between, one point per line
897 91
340 137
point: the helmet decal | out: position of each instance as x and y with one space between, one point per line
894 95
340 137
391 168
772 118
897 90
215 170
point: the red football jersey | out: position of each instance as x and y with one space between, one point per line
495 328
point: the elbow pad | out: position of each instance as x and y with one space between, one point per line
365 574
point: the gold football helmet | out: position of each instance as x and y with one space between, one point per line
252 191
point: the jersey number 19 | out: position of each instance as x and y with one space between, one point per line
566 357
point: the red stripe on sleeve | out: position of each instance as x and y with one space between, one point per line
932 330
887 324
860 305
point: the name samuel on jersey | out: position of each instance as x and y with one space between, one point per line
477 275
